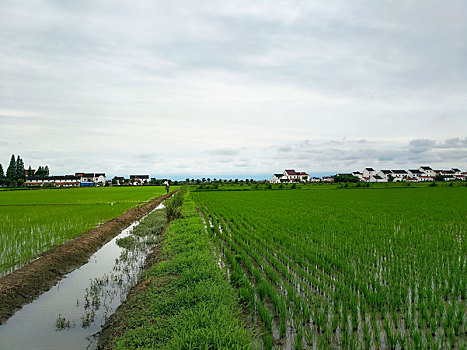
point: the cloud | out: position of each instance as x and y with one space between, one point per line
223 151
423 145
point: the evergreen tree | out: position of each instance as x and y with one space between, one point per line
46 170
30 172
2 174
40 171
20 175
11 171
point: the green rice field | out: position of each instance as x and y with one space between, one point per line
346 268
34 221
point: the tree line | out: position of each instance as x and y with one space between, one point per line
16 174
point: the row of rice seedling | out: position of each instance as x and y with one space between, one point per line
32 222
355 269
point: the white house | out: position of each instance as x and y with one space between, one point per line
60 181
425 178
399 175
99 178
377 178
139 179
276 179
385 173
427 170
290 176
357 174
368 172
91 179
415 173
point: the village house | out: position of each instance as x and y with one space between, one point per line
427 171
415 173
59 181
368 172
358 174
139 179
377 178
91 179
290 176
385 174
399 175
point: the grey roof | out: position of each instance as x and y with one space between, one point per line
399 172
291 172
370 169
426 168
386 171
139 176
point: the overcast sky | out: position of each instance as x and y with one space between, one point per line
233 88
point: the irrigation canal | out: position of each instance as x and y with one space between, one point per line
71 313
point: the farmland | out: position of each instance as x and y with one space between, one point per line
360 268
32 222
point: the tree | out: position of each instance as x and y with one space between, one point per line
439 177
46 170
30 172
2 174
11 171
345 178
20 174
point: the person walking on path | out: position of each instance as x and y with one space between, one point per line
167 186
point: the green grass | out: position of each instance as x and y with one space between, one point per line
362 268
188 304
32 222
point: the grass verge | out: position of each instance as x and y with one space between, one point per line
183 301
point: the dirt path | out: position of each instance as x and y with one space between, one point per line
29 282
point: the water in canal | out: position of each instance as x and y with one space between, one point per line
71 313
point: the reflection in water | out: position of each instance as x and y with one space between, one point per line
73 311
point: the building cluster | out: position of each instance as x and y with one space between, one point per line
421 174
79 179
86 180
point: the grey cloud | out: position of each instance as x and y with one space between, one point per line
422 145
223 151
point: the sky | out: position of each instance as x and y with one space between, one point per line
233 88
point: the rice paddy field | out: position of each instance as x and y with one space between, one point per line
34 221
346 268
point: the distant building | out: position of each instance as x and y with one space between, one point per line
91 179
59 181
399 175
139 179
290 176
385 174
377 178
368 172
427 171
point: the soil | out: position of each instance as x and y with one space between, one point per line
29 282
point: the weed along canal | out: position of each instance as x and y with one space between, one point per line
72 312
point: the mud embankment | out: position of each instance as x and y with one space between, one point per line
29 282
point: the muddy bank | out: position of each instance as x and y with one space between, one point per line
27 283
